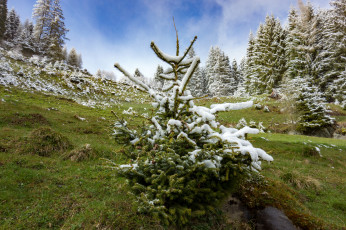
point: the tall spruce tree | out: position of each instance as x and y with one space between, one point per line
26 39
195 81
267 57
332 60
295 54
218 69
250 80
57 32
43 16
3 18
235 74
12 26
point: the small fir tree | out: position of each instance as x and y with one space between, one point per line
73 58
313 115
183 162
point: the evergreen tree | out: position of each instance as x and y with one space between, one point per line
158 80
43 16
313 118
57 32
194 85
331 61
138 75
3 18
12 26
295 54
181 165
267 57
26 36
64 53
220 79
235 74
249 78
240 91
73 58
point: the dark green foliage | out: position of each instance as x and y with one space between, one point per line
3 17
313 113
181 165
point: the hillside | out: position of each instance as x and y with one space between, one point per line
39 74
56 132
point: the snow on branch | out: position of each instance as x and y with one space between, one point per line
230 106
141 84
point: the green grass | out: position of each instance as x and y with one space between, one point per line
39 192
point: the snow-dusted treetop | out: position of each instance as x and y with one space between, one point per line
176 102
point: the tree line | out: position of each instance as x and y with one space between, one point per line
47 36
310 49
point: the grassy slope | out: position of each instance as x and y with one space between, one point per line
42 192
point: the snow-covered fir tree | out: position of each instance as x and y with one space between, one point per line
183 162
64 53
195 81
332 60
267 57
80 61
57 32
235 74
12 26
26 39
313 115
218 69
73 58
241 91
43 17
138 75
159 82
249 78
295 54
3 18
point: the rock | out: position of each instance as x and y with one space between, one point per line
272 218
269 218
237 211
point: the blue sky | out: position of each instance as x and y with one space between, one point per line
109 31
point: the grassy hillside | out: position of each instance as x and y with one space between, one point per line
67 186
55 134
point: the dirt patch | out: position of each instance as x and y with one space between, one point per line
66 99
27 120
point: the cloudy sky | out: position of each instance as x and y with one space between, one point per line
109 31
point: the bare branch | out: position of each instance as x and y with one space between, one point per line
176 32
